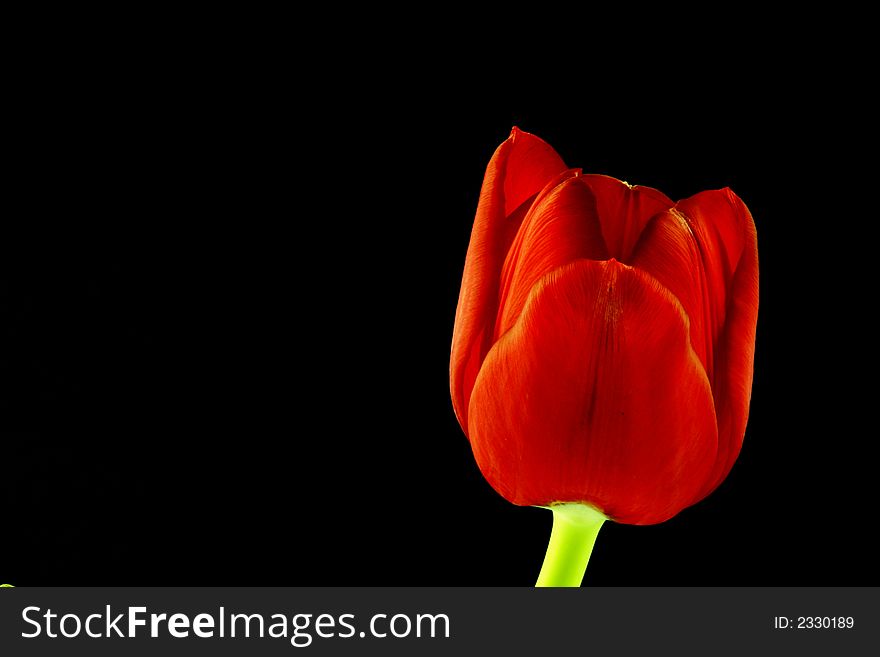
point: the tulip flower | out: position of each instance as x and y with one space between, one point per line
603 346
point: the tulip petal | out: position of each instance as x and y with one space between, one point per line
668 250
595 395
726 232
624 210
561 227
705 252
531 164
520 168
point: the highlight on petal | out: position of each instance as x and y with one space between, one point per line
595 395
519 169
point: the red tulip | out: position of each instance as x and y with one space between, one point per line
604 337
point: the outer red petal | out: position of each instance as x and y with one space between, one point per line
595 395
669 251
561 227
519 169
624 211
705 252
723 224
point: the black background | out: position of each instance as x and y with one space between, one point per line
225 329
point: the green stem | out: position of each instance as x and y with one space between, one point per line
575 527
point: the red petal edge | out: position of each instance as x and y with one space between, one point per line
519 169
